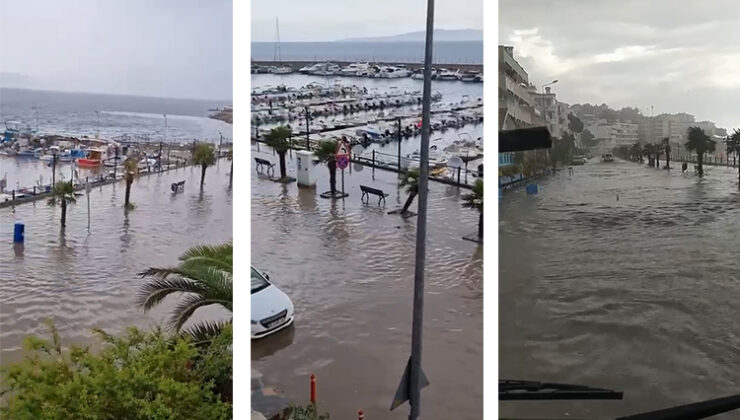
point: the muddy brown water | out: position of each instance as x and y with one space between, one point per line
349 267
639 295
80 279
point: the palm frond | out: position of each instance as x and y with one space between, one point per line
326 150
474 200
187 306
204 332
154 291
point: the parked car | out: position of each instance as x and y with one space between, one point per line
272 310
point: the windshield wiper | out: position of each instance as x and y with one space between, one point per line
513 390
700 410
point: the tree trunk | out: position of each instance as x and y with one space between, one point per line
282 164
332 176
699 161
668 159
202 175
480 224
657 161
64 212
231 173
128 192
408 203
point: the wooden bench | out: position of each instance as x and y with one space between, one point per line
366 191
262 163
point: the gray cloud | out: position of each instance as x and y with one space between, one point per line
675 55
169 48
330 20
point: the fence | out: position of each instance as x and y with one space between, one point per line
731 162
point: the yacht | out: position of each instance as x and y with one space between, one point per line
354 69
327 69
448 75
283 70
393 72
310 68
469 76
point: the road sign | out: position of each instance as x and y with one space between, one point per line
342 161
342 155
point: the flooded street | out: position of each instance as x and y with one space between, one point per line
622 277
82 279
348 267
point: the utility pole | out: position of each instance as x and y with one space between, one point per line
399 144
413 378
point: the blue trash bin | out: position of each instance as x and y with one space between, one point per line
532 189
18 232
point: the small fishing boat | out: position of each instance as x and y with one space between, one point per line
93 158
448 75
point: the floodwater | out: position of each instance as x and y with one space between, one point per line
82 279
638 294
349 268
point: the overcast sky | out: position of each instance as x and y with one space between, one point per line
331 20
675 55
166 48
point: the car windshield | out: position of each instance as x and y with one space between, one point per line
258 281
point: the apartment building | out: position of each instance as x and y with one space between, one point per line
516 104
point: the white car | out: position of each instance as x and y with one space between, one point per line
272 310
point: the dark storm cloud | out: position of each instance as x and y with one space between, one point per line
675 55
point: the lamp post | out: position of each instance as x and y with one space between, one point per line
544 105
220 141
54 153
97 131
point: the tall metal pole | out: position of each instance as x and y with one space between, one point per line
421 225
308 144
399 144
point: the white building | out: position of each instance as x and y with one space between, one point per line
611 135
515 102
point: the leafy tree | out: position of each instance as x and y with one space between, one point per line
137 376
131 169
666 143
575 124
563 149
587 139
277 138
205 156
326 153
699 143
63 193
733 146
474 200
410 182
204 276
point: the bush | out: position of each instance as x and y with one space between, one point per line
136 376
306 412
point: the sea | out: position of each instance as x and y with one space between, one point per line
74 114
445 52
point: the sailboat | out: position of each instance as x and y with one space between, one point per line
276 54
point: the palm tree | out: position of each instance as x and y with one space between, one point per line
410 182
326 153
205 156
230 156
700 143
277 138
63 193
658 149
733 146
649 151
131 168
204 275
474 200
667 149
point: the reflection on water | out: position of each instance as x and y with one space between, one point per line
84 279
624 277
349 267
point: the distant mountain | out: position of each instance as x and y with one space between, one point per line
439 35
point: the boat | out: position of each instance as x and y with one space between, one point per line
607 157
469 76
93 158
448 75
354 69
393 72
26 153
326 69
310 68
283 70
372 132
436 160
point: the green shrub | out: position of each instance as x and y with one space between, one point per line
306 412
137 376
